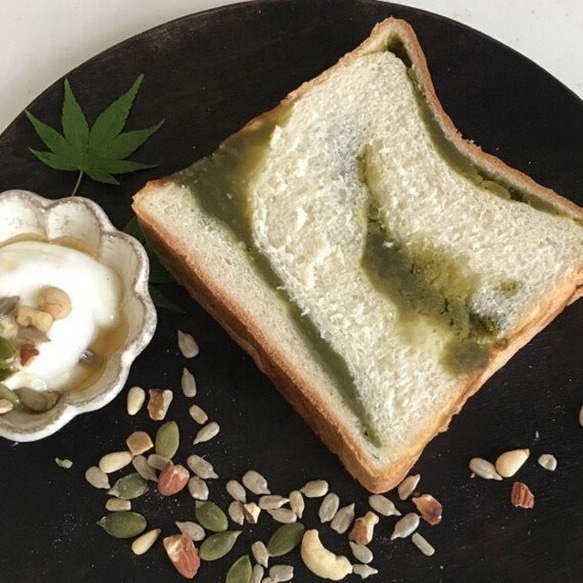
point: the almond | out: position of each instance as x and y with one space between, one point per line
429 508
172 479
521 496
183 554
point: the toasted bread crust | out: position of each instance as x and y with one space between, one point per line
296 388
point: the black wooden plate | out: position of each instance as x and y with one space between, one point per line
206 75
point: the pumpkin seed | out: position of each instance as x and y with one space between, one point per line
284 540
198 414
97 478
260 552
422 544
192 529
364 571
187 345
361 552
37 401
144 542
257 574
407 486
129 487
209 431
7 304
383 505
405 526
236 490
167 439
272 502
188 383
284 515
123 524
255 483
7 351
135 400
218 545
315 489
343 519
281 572
111 462
143 468
210 516
118 505
329 507
236 512
201 467
296 502
198 488
9 395
158 462
240 571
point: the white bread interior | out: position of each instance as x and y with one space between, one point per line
357 136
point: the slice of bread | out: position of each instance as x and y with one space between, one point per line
378 267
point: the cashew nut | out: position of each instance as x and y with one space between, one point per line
363 529
55 301
27 316
321 561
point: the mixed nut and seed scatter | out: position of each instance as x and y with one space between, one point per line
211 532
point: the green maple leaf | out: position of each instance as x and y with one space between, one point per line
100 151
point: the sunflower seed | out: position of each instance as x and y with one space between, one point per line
272 502
97 478
255 482
167 440
158 403
192 529
252 512
405 526
218 545
135 400
66 464
37 401
187 345
198 414
343 519
240 571
198 488
296 502
118 505
548 461
209 431
188 383
484 469
236 512
129 487
383 505
210 516
5 406
407 486
315 489
257 574
283 515
581 416
123 524
284 540
111 462
281 572
145 470
361 552
422 544
201 467
260 553
158 462
236 491
139 442
329 507
145 541
364 571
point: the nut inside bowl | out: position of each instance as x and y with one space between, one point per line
82 228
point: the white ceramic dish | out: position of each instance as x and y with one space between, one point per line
23 212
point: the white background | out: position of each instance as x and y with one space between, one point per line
41 40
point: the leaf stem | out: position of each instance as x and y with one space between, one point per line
77 184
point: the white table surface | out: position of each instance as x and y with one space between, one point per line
41 40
